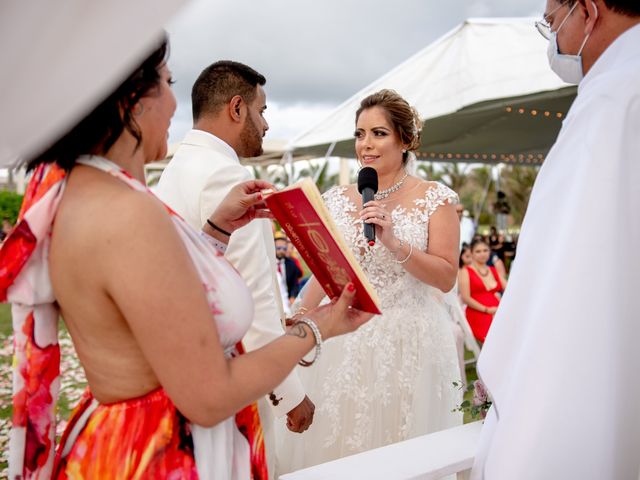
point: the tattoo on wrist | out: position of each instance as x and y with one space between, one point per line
297 330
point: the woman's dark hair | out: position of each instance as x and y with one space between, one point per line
99 130
465 248
478 241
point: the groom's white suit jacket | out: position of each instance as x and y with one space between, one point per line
201 173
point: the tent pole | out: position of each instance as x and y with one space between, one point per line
478 211
289 171
343 178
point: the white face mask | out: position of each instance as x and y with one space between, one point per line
567 67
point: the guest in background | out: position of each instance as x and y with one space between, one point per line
467 226
465 256
480 288
493 238
508 251
289 273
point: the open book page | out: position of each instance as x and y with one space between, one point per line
303 215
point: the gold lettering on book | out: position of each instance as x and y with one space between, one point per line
292 211
336 272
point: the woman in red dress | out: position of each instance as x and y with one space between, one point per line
480 289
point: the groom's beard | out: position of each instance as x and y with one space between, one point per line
251 139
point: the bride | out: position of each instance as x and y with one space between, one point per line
393 379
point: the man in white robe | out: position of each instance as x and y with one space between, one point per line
228 104
561 360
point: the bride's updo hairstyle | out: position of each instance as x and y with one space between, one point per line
404 118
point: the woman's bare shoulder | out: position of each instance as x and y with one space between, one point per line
103 210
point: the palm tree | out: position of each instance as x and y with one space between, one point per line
427 171
517 183
454 175
477 191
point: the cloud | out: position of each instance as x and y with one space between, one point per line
313 52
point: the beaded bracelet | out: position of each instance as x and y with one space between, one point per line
400 262
318 338
214 242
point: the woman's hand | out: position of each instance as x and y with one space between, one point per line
376 213
338 317
492 310
242 204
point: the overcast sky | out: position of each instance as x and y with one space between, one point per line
315 54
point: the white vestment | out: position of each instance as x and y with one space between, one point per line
561 360
201 173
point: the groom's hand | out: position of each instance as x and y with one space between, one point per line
301 417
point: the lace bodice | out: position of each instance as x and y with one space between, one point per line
411 224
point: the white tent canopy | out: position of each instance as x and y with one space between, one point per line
484 89
58 59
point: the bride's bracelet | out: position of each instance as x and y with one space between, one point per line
316 335
400 262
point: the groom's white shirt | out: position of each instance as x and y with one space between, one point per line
200 174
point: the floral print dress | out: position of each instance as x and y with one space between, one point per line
145 437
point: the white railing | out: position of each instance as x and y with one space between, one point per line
428 457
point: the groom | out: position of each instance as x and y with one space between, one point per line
228 104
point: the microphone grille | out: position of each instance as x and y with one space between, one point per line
368 178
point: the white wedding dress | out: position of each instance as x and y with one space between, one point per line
393 378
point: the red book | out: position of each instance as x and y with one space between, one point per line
304 217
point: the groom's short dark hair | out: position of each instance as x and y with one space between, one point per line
219 83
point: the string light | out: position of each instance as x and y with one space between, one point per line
514 158
534 112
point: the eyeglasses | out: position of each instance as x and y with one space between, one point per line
283 249
544 27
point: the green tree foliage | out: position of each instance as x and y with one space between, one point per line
471 183
517 183
10 205
280 176
454 175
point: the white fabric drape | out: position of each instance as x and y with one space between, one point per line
561 359
59 58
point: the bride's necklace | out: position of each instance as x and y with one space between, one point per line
382 194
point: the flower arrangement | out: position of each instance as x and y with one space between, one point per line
480 403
